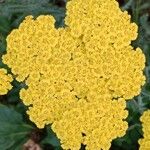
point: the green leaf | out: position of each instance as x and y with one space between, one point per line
51 139
13 94
2 45
134 112
127 5
145 5
13 131
4 25
145 24
130 140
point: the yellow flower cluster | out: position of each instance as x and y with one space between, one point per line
78 77
145 142
93 124
5 80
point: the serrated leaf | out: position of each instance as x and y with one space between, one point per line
12 128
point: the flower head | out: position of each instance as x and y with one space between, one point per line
145 142
5 80
79 76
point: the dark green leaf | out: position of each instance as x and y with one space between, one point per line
51 139
4 25
12 128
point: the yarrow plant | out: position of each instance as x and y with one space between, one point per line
78 77
145 142
5 82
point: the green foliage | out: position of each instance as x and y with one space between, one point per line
15 126
51 139
13 95
129 141
15 10
13 130
4 25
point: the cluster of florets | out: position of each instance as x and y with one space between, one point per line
5 82
78 77
145 142
94 124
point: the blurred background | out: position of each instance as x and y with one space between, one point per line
16 131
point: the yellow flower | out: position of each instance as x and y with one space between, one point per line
79 76
89 123
5 80
145 142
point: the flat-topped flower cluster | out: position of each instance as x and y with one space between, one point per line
79 76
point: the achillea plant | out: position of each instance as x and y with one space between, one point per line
5 80
79 76
145 142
